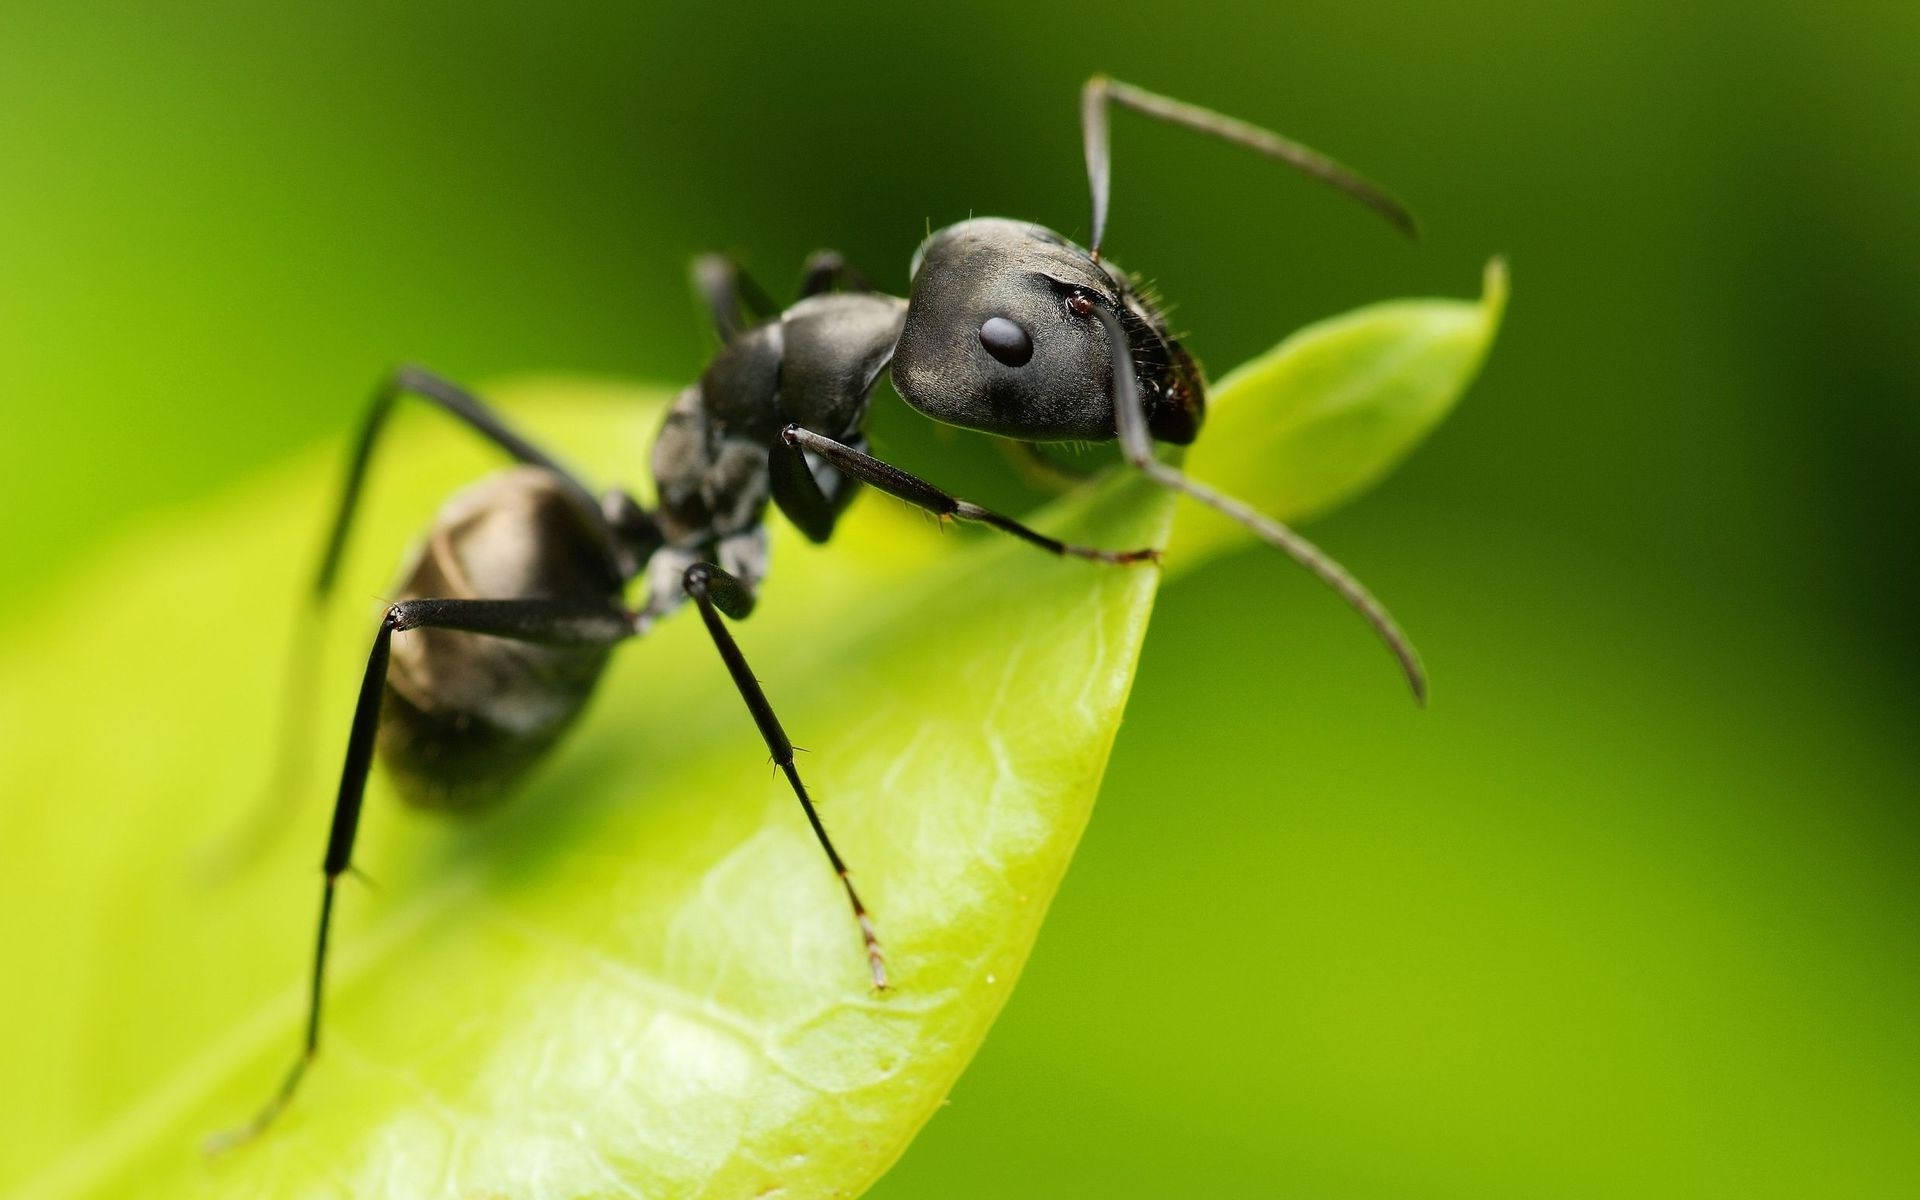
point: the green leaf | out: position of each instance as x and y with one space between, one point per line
638 976
1327 412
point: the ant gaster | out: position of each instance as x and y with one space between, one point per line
514 603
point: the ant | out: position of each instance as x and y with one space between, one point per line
517 598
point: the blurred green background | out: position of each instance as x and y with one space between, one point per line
1630 911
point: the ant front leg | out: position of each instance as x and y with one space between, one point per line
813 508
918 492
714 592
458 403
546 622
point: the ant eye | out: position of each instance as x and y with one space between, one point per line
1080 304
1006 341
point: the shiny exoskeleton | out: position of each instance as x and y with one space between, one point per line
513 605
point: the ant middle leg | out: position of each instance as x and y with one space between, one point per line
714 592
918 492
545 622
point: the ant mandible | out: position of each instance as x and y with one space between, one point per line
517 597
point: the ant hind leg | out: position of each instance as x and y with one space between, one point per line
546 622
293 753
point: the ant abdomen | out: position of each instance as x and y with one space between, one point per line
466 714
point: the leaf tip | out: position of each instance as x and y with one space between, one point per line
1494 287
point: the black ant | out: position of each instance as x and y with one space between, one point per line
518 596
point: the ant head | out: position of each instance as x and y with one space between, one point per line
1001 336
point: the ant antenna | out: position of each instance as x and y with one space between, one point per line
1101 91
1131 421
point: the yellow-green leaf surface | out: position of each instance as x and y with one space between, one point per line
1341 402
638 977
